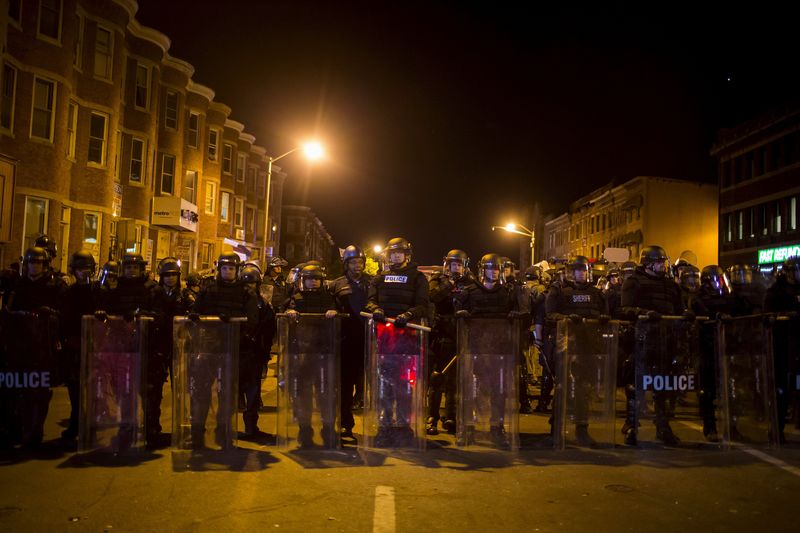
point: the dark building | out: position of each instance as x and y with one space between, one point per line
759 186
303 237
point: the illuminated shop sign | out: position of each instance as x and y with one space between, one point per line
778 255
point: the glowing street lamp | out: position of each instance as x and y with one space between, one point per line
377 248
519 229
313 151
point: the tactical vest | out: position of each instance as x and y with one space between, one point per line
397 290
653 294
586 300
312 301
131 294
483 301
223 298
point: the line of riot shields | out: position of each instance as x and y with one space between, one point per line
689 375
679 378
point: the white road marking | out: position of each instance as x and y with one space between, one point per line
383 518
774 461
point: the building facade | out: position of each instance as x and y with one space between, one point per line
674 214
759 188
107 143
305 238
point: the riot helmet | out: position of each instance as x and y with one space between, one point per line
250 273
276 264
311 278
228 265
579 270
293 278
655 261
109 274
690 278
131 260
395 246
627 269
791 269
352 252
487 266
533 273
614 277
714 279
44 241
193 279
740 274
35 262
455 257
167 268
82 265
508 268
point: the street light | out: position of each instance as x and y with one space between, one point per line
519 229
313 151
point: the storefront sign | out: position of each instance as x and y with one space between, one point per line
778 255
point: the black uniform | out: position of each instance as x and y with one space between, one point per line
280 292
351 298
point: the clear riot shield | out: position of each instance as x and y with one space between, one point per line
308 381
586 366
488 403
667 369
749 408
28 370
206 381
394 397
113 353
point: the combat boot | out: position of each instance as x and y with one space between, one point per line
497 434
665 434
449 425
383 439
327 436
305 436
710 432
582 436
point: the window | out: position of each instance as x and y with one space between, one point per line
167 174
7 97
50 19
227 159
730 228
193 131
103 53
792 213
35 220
752 222
77 46
213 139
14 10
137 160
237 212
289 249
171 111
262 184
778 217
241 165
142 86
740 232
251 180
97 138
206 255
91 228
211 197
249 220
72 126
224 206
44 92
764 223
190 187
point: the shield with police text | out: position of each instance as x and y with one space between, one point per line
586 366
394 397
668 381
308 381
112 354
749 409
206 379
488 402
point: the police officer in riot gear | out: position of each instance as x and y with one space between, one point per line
136 295
444 287
748 294
311 296
537 293
491 296
192 289
649 291
783 298
251 371
350 293
39 292
277 281
578 299
81 298
399 292
173 304
228 297
627 269
109 275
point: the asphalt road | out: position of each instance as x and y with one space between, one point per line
697 487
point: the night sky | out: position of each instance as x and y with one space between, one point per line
444 118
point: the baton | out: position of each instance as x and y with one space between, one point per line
411 325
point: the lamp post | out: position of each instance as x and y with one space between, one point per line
313 151
519 229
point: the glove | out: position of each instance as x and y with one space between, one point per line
604 319
653 316
462 313
225 318
576 319
402 319
689 316
378 315
330 313
101 315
